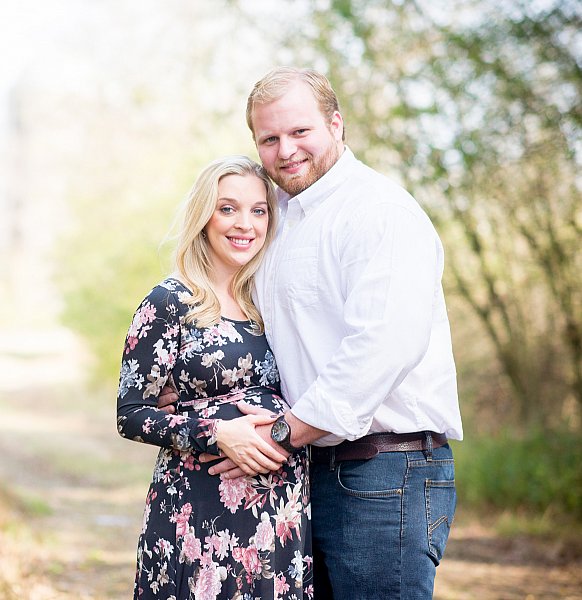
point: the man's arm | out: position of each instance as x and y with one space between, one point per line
301 434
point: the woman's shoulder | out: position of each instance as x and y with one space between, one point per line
168 291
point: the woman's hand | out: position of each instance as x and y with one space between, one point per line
239 441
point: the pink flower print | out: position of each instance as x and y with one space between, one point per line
148 313
191 548
233 492
171 331
208 584
146 517
236 395
265 533
131 343
226 328
237 553
289 515
251 561
147 425
229 377
210 335
221 543
281 586
176 420
164 548
189 462
162 355
309 591
182 519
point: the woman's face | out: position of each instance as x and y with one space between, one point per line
237 229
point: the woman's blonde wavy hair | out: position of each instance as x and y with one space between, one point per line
192 256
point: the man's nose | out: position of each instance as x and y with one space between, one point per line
287 148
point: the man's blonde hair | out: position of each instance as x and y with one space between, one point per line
277 81
192 256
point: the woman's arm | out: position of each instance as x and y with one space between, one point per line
150 352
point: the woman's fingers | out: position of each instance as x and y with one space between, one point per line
251 409
261 419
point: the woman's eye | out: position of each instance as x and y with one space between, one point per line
260 211
226 210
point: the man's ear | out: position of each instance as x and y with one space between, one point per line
336 126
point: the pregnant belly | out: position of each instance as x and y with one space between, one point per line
224 407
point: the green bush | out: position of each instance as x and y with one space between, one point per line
539 472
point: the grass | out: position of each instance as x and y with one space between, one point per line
532 482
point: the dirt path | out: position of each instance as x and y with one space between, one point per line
71 496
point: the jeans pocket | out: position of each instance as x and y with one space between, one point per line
367 479
441 500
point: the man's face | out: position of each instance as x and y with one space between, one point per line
296 143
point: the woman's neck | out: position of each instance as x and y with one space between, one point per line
229 307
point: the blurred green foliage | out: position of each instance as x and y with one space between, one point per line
538 471
111 264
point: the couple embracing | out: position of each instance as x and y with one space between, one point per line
296 370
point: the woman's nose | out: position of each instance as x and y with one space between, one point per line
243 222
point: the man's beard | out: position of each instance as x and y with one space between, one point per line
316 169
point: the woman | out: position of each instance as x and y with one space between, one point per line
198 330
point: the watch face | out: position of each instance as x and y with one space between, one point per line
280 431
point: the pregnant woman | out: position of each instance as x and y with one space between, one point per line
205 537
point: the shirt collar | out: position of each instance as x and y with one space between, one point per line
316 193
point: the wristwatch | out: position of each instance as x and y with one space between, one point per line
281 434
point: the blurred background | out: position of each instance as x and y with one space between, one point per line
109 109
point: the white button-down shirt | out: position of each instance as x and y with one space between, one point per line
351 296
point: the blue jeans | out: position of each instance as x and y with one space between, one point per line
380 526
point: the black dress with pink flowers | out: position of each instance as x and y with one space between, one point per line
203 536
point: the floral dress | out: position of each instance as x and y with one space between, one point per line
205 537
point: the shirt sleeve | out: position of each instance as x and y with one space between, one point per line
150 352
389 267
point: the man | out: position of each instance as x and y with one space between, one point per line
351 297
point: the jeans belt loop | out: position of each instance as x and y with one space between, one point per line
428 435
332 458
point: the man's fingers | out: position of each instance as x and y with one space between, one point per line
167 396
205 457
234 473
226 464
225 467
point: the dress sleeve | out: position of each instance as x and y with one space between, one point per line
150 352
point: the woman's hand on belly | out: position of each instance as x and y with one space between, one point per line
239 441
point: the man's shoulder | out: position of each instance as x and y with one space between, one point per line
375 189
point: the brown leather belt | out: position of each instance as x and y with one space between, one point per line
373 444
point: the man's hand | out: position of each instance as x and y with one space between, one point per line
167 399
226 466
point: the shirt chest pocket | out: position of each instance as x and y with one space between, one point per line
299 277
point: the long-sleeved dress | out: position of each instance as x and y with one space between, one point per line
203 536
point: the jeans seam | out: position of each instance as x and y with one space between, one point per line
365 493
